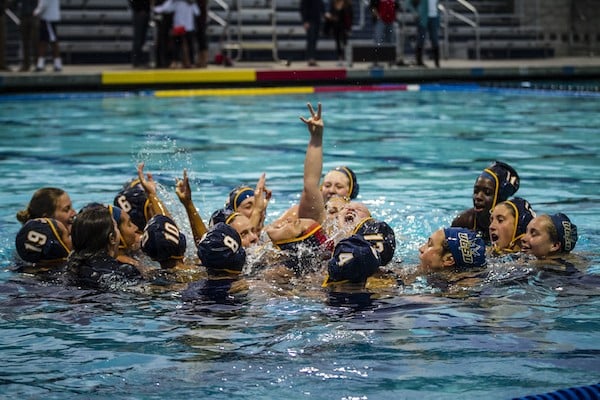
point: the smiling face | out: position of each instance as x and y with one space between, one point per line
64 211
433 254
538 240
352 213
483 195
502 227
335 183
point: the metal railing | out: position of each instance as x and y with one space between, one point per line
474 23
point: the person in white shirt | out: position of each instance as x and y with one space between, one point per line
48 12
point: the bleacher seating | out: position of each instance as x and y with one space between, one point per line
100 31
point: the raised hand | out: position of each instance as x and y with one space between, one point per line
315 122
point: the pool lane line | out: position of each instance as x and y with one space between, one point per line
234 92
282 90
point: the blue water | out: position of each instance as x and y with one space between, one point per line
416 155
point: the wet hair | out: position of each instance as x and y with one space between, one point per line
42 204
353 183
466 246
505 178
564 231
91 230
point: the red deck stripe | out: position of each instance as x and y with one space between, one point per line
359 88
301 75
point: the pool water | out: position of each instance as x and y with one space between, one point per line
416 155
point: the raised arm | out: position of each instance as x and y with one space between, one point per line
311 201
149 185
262 195
184 193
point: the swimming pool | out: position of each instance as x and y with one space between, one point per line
416 154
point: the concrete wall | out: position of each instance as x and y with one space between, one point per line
572 27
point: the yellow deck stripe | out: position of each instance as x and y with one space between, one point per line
177 76
235 92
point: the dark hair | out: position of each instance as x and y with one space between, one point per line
42 204
91 231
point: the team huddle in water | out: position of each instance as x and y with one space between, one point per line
327 235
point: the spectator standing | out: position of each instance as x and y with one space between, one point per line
28 30
183 30
49 13
140 10
384 14
201 38
339 17
429 24
312 12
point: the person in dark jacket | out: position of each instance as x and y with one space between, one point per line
312 12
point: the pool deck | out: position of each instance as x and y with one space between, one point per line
273 74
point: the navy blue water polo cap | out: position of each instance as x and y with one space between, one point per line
566 230
467 247
220 215
39 240
505 178
133 200
162 240
380 235
238 195
354 260
221 249
523 216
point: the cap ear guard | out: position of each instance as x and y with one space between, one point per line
523 215
466 246
354 260
221 249
162 240
566 231
39 241
237 196
507 180
134 201
380 235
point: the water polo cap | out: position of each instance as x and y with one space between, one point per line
467 247
221 249
523 215
133 200
566 230
38 240
162 240
354 260
380 235
237 197
505 178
